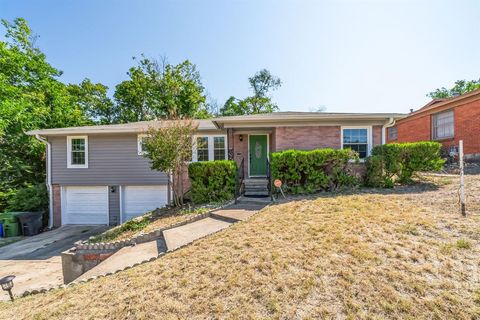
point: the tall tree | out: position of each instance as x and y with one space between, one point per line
32 97
161 90
93 99
460 87
262 83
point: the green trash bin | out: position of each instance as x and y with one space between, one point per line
11 229
11 225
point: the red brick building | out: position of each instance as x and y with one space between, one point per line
444 120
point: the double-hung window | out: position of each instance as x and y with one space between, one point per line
77 152
209 148
443 125
357 139
141 144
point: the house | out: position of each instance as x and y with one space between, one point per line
445 120
98 175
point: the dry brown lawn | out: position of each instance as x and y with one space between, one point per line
402 254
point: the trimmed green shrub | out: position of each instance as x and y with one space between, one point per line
313 171
212 181
398 162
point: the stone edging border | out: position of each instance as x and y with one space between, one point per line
73 283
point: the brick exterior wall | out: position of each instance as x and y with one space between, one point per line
377 135
57 205
307 138
467 128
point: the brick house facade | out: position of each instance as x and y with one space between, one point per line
421 124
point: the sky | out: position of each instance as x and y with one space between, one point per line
344 55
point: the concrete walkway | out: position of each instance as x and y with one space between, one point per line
183 235
175 238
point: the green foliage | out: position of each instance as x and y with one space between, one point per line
460 87
313 171
160 90
398 162
212 181
169 147
133 225
32 97
261 84
30 198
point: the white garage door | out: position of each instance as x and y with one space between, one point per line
85 205
138 200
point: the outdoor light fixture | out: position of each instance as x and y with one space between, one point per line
7 285
240 137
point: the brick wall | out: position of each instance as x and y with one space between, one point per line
307 138
377 135
57 205
467 128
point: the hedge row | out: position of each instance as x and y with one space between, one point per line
212 181
313 171
398 162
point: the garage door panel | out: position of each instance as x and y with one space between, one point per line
138 200
86 205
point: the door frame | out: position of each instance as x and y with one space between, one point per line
248 151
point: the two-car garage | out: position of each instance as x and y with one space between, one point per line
93 204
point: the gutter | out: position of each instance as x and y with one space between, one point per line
49 179
390 123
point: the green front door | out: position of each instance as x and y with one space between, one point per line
257 155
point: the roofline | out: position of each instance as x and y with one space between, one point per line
449 103
308 117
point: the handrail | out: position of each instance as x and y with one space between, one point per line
269 177
239 177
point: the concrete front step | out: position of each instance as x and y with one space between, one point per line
264 193
255 182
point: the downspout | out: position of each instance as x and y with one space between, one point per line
390 123
49 180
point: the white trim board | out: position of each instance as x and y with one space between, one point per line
69 153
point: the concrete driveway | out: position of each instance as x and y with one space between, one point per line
36 261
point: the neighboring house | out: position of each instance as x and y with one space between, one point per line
445 120
98 175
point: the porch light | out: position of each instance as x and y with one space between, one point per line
7 285
240 137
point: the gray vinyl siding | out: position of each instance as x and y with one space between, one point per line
114 205
112 160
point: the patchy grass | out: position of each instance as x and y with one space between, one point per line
151 221
372 255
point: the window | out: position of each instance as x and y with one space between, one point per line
202 148
209 148
140 144
357 139
218 148
392 133
442 125
77 152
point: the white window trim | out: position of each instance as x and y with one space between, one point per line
369 137
434 117
140 152
69 153
211 145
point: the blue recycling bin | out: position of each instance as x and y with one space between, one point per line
1 230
